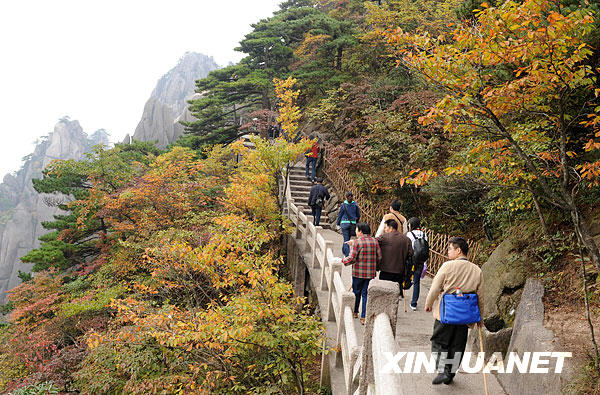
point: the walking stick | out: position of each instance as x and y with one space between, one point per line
481 347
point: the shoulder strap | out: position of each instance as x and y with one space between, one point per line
399 220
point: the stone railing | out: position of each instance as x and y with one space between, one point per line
361 364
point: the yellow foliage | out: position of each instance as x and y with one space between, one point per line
289 112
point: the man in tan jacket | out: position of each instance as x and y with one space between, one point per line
449 341
396 216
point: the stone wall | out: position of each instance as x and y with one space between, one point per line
529 334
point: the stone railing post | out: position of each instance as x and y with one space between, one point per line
314 246
298 224
347 301
307 236
382 298
326 259
336 266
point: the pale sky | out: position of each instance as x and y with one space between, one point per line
98 61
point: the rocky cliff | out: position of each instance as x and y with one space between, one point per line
168 103
22 209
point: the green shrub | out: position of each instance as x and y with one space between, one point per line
37 389
91 302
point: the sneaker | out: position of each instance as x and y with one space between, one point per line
413 308
355 315
362 321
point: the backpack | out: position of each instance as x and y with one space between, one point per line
319 201
421 250
346 205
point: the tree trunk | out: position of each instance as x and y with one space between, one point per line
266 104
582 230
562 198
539 212
587 309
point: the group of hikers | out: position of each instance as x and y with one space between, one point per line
399 252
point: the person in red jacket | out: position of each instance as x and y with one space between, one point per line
311 157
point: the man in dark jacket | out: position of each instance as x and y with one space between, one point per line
316 200
348 216
396 250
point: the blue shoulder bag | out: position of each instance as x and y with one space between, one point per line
459 309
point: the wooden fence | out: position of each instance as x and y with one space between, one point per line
372 214
342 182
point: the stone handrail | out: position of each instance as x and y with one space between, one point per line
362 370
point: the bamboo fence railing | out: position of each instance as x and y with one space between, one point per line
372 214
343 183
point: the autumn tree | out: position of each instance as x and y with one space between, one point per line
75 236
516 83
520 92
289 112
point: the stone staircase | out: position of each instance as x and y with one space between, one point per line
300 190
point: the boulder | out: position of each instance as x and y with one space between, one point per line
503 276
595 224
492 341
529 335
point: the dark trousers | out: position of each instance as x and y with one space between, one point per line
416 286
360 286
348 230
316 213
447 341
395 277
310 160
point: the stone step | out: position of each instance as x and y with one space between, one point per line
300 193
302 182
301 187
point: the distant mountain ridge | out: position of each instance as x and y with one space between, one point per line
167 104
22 209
